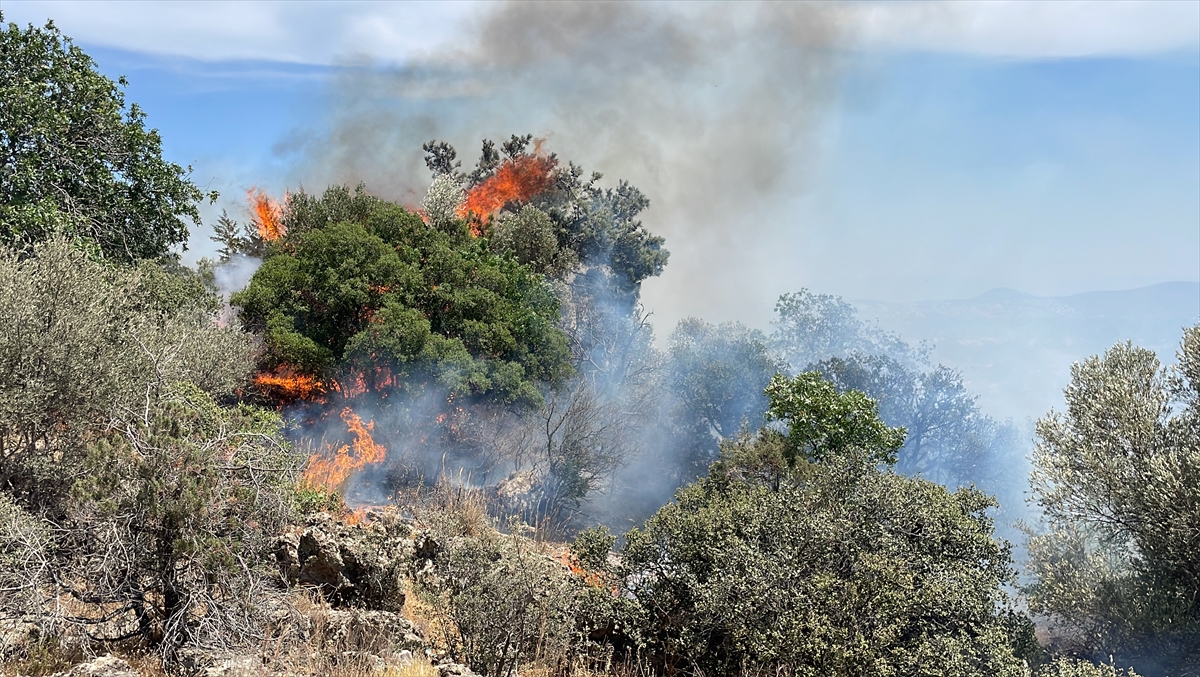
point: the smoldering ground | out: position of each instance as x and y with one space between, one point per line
708 109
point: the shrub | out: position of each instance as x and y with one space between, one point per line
799 555
507 602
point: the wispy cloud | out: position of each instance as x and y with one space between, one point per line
1007 28
331 32
294 32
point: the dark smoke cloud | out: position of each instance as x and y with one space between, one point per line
709 109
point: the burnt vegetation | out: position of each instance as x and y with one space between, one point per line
374 461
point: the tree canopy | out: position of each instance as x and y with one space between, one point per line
362 286
75 158
1116 475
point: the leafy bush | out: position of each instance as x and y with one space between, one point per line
592 546
175 517
506 601
362 285
1070 667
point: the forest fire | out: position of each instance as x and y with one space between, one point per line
267 214
517 179
286 384
330 471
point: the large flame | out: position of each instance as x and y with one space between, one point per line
267 214
517 179
330 471
288 385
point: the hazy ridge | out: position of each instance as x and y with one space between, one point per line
1015 350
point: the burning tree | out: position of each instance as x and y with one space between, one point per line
455 323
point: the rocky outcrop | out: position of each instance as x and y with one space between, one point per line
360 565
455 670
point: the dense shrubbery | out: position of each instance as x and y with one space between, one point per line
129 488
797 554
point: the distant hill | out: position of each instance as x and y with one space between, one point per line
1015 350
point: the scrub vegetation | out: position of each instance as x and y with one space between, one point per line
442 439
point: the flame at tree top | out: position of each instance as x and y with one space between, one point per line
517 179
267 214
330 471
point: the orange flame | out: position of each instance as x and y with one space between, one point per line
359 383
517 179
267 215
287 384
330 472
572 563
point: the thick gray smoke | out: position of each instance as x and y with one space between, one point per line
708 109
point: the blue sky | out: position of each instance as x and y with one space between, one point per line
953 148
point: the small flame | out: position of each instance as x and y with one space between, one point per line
358 383
572 563
267 215
289 385
330 471
517 179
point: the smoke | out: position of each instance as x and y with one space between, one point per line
229 277
710 110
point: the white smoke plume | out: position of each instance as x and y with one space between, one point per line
709 109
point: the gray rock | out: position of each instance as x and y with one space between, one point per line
105 666
455 670
357 566
366 631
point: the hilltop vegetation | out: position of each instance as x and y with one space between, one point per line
478 382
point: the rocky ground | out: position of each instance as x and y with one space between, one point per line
348 610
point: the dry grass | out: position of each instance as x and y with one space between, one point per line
49 657
43 658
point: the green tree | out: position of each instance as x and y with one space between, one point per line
776 563
946 430
597 227
813 327
75 158
528 236
363 286
823 422
1116 476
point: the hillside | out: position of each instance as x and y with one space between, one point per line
1015 350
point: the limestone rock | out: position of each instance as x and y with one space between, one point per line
358 565
105 666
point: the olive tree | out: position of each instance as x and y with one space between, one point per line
83 340
1117 475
